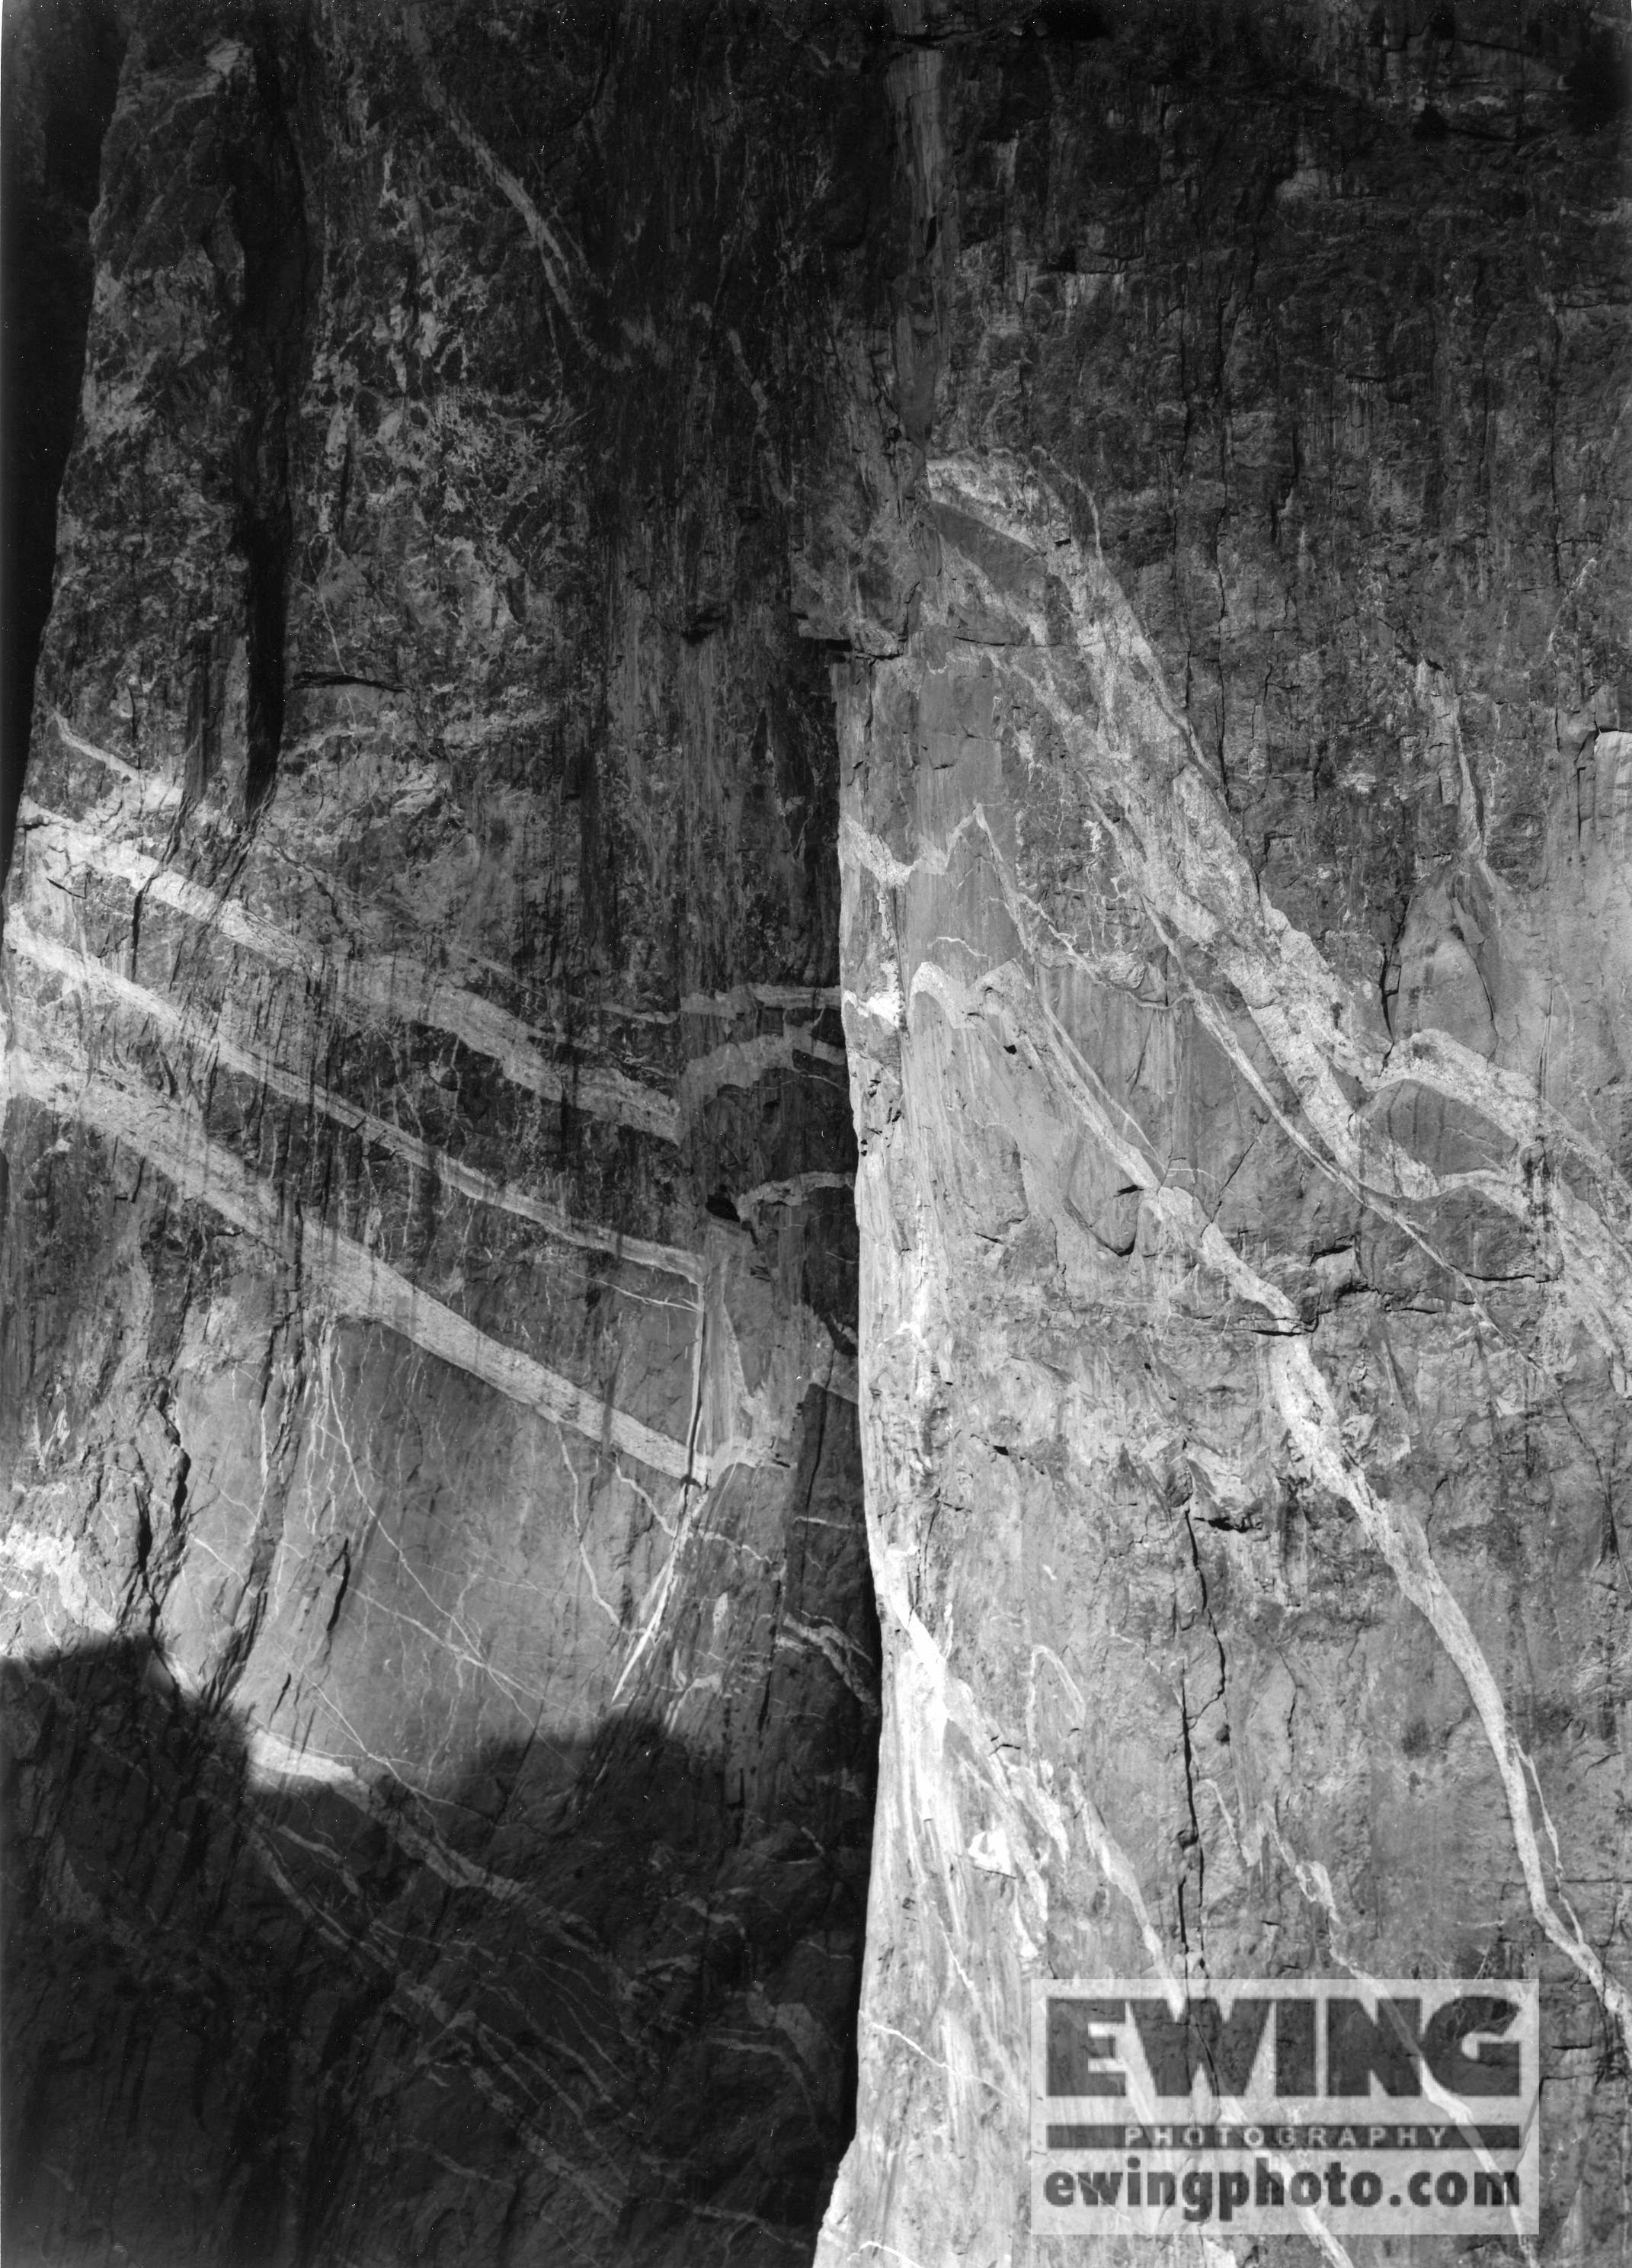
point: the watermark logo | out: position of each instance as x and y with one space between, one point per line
1394 2108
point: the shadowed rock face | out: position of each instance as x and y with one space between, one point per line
1067 568
444 1700
60 70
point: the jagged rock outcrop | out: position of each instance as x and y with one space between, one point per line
1137 501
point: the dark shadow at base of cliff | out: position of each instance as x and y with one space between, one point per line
265 2023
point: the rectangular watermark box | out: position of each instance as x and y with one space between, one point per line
1398 2107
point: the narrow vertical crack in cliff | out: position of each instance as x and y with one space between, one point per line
268 201
60 71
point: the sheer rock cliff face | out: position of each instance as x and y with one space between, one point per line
444 1670
1238 933
1142 503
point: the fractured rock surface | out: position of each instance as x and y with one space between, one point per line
443 1685
1237 937
642 601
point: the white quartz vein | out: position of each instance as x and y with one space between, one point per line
366 990
555 255
1139 761
345 1274
97 981
1312 1422
744 1062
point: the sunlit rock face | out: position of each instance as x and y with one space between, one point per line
643 600
443 1674
1238 926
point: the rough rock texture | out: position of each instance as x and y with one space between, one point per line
1237 937
59 69
1142 496
443 1701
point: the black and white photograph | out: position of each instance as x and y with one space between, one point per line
815 1134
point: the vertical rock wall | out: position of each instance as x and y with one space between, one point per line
60 68
442 1692
1141 497
1237 934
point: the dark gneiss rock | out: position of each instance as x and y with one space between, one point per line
675 627
1237 923
445 1679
